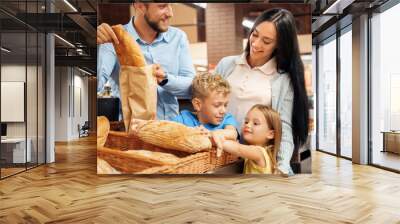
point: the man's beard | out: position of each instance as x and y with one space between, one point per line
154 25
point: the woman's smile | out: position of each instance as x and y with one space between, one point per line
256 51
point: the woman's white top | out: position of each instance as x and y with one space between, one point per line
250 86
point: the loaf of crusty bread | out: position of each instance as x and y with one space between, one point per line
155 157
103 127
133 161
103 167
128 51
172 135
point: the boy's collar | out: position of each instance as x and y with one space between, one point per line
195 114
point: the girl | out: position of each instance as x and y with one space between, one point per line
262 134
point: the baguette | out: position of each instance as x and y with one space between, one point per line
172 135
128 51
103 128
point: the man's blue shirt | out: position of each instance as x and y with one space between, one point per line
171 50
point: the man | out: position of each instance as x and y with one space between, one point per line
161 44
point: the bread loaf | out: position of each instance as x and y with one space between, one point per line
159 157
172 135
103 127
133 161
104 167
128 51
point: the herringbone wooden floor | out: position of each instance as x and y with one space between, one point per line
69 191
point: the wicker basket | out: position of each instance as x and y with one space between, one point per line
124 141
224 159
125 161
115 153
130 162
194 164
117 126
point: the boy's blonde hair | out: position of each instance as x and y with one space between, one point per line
274 123
205 83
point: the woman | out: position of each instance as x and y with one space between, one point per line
270 71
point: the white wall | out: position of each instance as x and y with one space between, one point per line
34 124
16 73
198 52
61 103
80 102
71 94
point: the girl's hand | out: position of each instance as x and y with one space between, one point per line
230 146
217 139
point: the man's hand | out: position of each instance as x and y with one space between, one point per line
159 73
105 34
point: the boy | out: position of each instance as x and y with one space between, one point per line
210 95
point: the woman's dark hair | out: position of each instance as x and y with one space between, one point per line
288 60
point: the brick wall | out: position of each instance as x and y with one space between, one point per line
107 13
223 29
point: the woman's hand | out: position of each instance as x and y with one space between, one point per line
105 34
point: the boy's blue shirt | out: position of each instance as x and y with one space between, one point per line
190 119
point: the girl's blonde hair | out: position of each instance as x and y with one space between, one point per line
274 123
